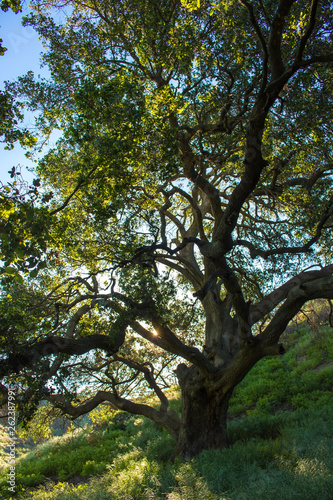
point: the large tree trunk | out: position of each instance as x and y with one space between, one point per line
204 407
204 415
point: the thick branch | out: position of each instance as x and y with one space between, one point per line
168 419
256 252
28 353
267 342
275 39
318 289
270 301
191 354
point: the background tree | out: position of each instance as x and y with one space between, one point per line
192 208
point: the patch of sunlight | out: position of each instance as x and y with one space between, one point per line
311 467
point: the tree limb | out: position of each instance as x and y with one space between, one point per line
297 296
275 38
148 376
168 419
261 38
191 354
28 354
272 300
255 252
309 30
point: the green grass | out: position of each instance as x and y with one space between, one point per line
280 427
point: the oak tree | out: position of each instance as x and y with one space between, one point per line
186 209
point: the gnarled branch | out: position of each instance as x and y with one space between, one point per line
273 299
168 419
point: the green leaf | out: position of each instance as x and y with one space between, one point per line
33 273
10 271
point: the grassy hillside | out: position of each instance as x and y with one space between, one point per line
281 423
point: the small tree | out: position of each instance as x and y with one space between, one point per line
187 205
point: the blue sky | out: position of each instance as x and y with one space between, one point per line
23 54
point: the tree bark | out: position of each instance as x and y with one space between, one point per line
204 415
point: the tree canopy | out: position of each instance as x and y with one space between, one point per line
185 214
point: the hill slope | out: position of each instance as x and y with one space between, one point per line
281 423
